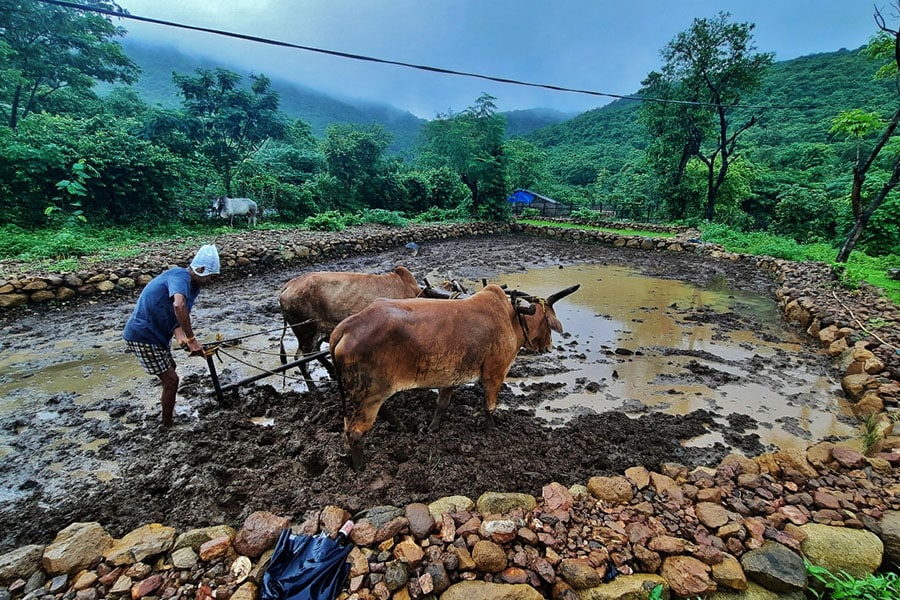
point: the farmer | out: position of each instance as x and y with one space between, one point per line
164 310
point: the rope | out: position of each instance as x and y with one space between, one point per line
241 337
264 370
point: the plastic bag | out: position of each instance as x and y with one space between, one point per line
305 567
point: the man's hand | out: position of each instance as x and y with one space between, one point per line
188 344
194 347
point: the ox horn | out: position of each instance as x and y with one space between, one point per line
514 294
562 294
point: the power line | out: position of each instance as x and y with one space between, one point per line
252 38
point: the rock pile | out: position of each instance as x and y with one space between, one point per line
738 531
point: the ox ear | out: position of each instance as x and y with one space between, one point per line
562 294
553 321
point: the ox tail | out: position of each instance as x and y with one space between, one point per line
338 374
282 353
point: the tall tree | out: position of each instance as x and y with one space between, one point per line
45 48
227 121
886 45
471 143
707 71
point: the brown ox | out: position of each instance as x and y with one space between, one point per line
312 304
395 345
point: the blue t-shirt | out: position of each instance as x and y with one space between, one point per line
153 320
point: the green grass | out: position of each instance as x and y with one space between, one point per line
877 586
860 266
641 232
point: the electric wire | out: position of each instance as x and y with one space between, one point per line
429 68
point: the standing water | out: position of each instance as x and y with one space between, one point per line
636 343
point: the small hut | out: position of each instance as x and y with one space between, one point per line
548 207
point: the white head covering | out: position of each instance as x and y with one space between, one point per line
208 258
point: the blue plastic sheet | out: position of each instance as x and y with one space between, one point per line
305 567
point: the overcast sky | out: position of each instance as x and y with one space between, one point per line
599 45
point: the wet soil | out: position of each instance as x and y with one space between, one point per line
217 465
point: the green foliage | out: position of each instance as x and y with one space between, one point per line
657 592
471 143
379 216
764 244
805 214
616 230
47 48
330 220
877 586
533 213
870 435
856 123
435 214
56 215
354 157
228 122
860 267
712 63
882 234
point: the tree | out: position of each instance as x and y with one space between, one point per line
886 45
228 122
471 143
524 163
46 48
707 71
354 155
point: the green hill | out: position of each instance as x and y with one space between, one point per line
794 106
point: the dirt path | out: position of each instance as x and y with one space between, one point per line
217 466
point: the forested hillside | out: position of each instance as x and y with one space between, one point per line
601 152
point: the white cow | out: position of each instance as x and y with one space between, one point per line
229 207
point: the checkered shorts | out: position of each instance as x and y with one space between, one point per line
154 359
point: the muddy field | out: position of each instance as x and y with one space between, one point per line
217 464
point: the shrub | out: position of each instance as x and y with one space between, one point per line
435 214
330 220
380 216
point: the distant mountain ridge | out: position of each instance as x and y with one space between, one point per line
318 109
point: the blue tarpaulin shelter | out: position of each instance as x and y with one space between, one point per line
548 207
521 197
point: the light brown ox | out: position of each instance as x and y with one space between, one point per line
395 345
313 303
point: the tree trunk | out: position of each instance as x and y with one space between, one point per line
859 226
861 170
14 109
472 184
711 191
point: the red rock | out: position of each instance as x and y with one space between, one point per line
688 577
215 548
557 496
825 500
146 587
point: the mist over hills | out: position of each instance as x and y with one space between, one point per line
319 110
820 84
